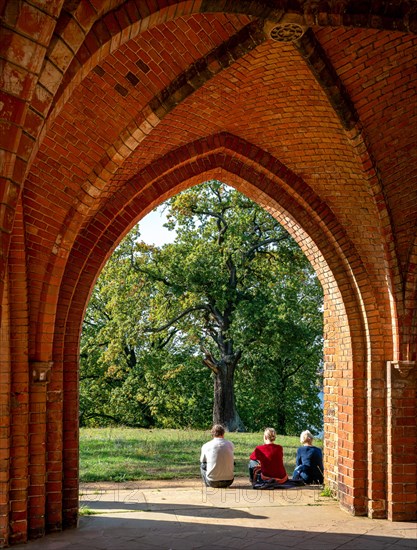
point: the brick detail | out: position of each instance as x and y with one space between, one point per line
323 140
5 417
402 440
311 50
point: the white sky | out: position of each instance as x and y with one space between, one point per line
152 230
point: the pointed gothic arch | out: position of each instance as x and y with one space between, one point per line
106 113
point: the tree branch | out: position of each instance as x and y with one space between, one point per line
298 367
201 307
251 252
210 362
152 275
165 341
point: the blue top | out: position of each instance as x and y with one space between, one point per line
310 459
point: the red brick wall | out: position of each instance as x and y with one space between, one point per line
402 438
109 108
5 420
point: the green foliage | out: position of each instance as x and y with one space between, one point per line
328 492
85 511
233 293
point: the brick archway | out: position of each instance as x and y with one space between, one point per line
108 109
334 268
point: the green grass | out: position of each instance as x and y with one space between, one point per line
328 492
85 511
126 454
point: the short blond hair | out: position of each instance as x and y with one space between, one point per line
217 430
306 436
270 434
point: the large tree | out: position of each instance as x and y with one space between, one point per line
233 292
223 282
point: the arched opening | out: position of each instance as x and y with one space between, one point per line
246 312
345 405
109 110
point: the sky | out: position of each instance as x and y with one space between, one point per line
152 230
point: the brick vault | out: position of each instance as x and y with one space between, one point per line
109 107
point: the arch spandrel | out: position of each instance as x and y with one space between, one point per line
145 122
147 139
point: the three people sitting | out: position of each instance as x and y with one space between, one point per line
266 464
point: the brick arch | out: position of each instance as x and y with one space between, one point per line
132 135
114 28
250 155
221 148
390 241
215 150
115 22
310 219
83 35
128 137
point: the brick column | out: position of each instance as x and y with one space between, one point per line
71 428
402 440
376 453
4 419
19 378
37 465
344 412
54 458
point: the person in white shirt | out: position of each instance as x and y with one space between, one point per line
217 460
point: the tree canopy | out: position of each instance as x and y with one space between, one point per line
232 303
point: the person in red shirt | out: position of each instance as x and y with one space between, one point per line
270 458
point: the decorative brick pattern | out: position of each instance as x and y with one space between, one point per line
109 108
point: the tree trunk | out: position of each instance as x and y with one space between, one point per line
281 413
281 420
224 409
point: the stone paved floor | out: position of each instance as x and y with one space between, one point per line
188 516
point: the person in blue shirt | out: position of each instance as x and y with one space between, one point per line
309 461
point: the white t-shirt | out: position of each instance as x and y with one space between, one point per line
219 455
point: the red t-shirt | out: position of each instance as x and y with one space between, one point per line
271 457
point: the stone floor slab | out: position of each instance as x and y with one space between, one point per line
190 517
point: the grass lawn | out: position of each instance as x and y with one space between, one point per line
126 454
